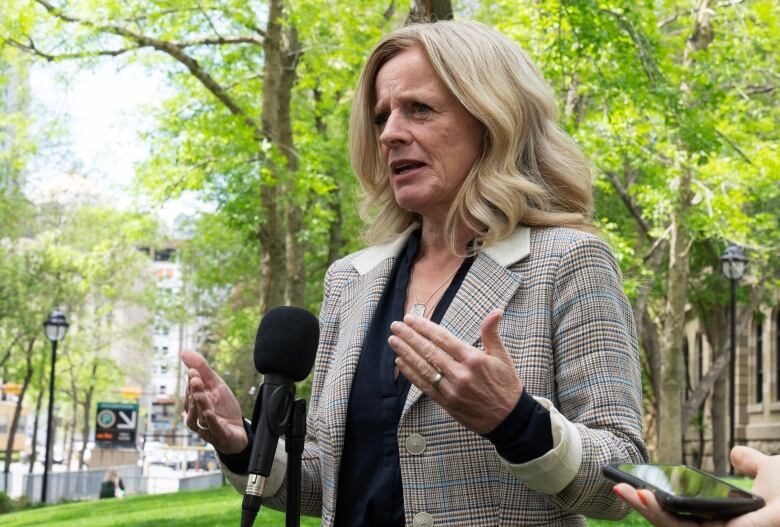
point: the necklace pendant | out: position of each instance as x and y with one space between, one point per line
418 310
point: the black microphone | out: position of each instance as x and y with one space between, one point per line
285 347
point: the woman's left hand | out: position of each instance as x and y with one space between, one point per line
477 389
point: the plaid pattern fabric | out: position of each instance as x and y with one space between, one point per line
569 328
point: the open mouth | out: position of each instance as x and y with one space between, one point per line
406 167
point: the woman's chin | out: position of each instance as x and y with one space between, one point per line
416 204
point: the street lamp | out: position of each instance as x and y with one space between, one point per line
55 326
734 263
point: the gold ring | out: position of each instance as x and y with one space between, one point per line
200 426
437 380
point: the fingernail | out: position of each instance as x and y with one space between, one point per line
617 491
409 319
641 498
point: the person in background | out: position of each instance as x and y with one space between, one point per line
478 364
112 485
747 461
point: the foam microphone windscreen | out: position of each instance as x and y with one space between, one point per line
286 342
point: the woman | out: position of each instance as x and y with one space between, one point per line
766 470
112 486
478 365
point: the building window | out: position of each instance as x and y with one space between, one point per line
164 255
759 362
163 390
163 369
161 326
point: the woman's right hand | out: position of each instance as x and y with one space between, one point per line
211 409
766 470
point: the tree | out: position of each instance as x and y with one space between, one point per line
649 91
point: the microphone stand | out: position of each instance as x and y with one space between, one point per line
294 439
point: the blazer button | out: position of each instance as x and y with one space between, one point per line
422 519
415 444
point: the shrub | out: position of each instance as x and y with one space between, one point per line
6 503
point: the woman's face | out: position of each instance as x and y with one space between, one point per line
429 141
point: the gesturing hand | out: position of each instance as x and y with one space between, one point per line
477 389
766 470
211 408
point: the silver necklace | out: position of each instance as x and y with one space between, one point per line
419 309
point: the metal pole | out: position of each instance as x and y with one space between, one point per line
50 425
732 361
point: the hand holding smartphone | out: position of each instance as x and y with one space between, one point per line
686 491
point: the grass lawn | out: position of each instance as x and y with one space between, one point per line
206 508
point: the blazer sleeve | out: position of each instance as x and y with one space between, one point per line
598 406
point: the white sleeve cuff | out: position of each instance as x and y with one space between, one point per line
274 481
554 470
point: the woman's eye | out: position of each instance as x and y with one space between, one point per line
380 119
419 107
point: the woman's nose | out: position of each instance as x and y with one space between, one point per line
395 131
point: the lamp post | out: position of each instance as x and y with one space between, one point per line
55 326
734 262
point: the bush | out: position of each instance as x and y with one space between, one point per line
10 505
6 503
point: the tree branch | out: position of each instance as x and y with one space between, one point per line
658 244
734 146
173 50
628 200
752 90
219 41
648 64
34 50
7 354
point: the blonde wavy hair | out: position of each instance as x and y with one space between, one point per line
530 171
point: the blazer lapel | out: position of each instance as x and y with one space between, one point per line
489 285
360 299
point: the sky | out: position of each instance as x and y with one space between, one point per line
102 113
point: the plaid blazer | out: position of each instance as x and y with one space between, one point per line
570 330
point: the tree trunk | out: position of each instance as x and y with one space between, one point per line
272 233
718 421
65 440
28 373
670 403
716 324
71 428
38 404
430 11
87 410
670 396
295 286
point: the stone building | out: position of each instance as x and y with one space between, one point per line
757 387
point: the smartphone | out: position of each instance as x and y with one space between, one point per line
686 491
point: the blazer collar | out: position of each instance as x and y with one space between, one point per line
505 252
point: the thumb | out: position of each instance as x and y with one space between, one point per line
746 460
491 338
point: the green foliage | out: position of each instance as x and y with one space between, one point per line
641 101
